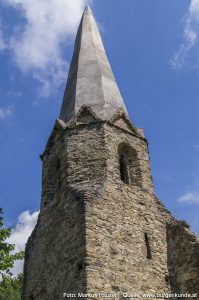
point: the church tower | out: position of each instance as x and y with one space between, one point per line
101 228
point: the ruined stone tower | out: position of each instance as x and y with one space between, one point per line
101 228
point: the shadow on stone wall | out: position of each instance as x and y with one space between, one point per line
56 251
172 280
183 259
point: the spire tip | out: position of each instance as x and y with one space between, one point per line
87 8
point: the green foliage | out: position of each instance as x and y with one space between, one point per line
10 288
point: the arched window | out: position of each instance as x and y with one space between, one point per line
124 169
129 166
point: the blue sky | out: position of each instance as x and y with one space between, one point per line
153 49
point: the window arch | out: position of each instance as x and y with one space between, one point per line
129 166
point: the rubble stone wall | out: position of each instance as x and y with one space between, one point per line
96 233
183 258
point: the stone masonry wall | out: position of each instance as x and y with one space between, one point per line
96 233
55 253
116 225
73 163
183 258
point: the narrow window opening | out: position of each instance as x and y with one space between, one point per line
77 197
148 248
124 169
167 278
79 266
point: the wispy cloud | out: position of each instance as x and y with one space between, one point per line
190 35
21 232
37 43
189 198
6 113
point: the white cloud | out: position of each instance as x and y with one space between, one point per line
21 232
191 34
37 42
6 113
190 198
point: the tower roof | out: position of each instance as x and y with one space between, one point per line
90 80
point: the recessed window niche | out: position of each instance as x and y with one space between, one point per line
129 167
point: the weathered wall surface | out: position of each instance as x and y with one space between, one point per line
74 162
95 232
116 226
183 258
56 251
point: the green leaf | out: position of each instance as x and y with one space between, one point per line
10 288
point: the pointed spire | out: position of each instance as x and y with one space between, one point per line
87 8
90 80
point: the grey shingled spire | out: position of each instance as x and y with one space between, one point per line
90 81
